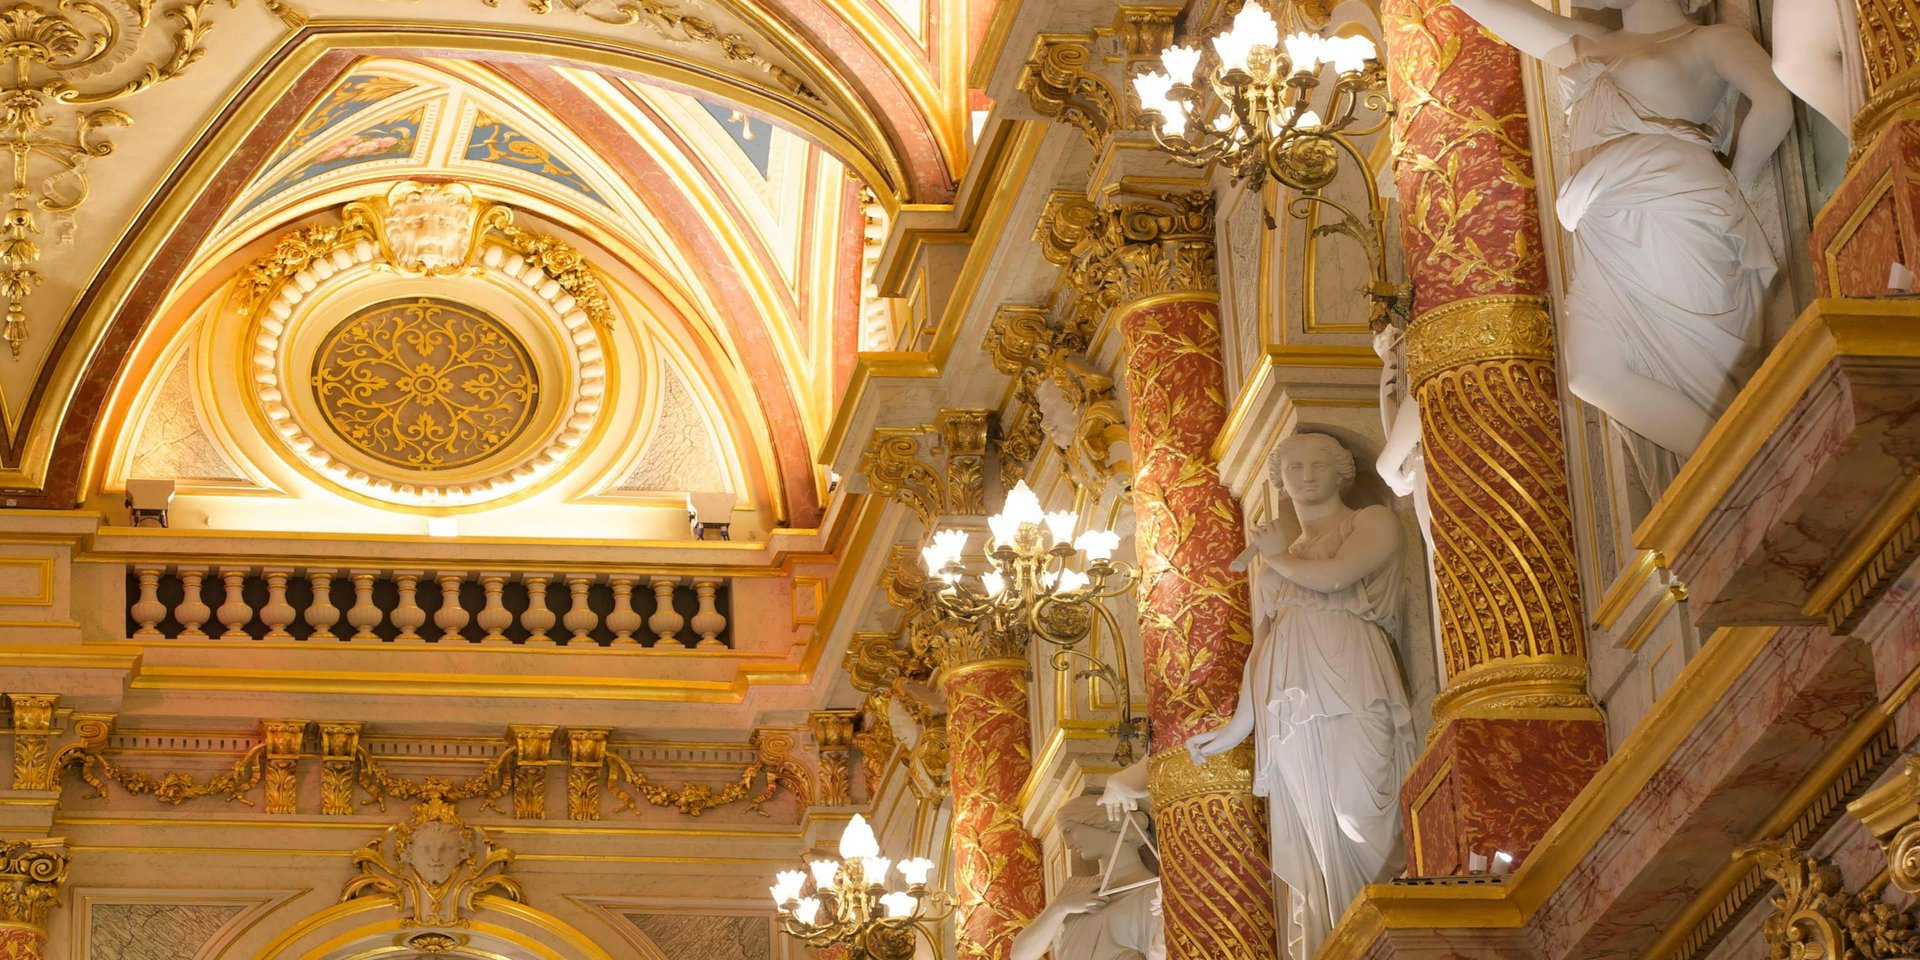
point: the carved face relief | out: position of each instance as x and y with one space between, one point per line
1059 419
435 851
430 227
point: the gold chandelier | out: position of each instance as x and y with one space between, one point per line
1287 109
847 902
1032 590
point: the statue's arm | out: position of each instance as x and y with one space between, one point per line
1739 58
1036 938
1228 735
1403 434
1375 541
1530 29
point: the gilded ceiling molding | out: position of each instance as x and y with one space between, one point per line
937 470
473 452
67 62
667 19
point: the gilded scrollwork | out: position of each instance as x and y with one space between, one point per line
1061 81
65 63
31 875
433 865
934 470
33 732
1142 245
833 740
339 758
284 741
1815 918
532 747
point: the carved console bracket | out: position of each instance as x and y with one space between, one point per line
935 470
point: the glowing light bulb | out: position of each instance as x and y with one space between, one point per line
1098 544
1152 88
787 887
1004 528
1180 63
1071 580
1060 523
900 904
1305 50
1309 119
1252 28
1349 54
807 910
823 872
857 842
1023 505
875 869
995 583
915 871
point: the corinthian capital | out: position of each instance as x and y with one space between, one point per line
31 874
936 470
1136 246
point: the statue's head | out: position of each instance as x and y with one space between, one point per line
1084 826
1313 468
435 849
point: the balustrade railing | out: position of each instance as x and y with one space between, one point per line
188 602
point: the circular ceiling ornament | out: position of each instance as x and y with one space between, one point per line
425 384
418 356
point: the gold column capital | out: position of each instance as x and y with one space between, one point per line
1478 329
31 875
1135 246
1533 687
1172 776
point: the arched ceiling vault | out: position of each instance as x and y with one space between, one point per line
853 79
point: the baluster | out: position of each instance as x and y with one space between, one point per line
365 615
321 613
451 618
493 617
581 618
538 619
708 622
235 613
278 612
624 620
408 616
148 610
666 621
192 611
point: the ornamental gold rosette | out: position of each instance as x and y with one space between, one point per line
425 350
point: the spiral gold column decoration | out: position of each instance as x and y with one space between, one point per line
1146 264
1480 353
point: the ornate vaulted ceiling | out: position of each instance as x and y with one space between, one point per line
233 232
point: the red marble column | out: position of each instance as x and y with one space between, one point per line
1518 734
998 885
1195 622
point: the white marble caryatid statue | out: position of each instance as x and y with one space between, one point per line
1079 922
1816 53
1322 696
1669 264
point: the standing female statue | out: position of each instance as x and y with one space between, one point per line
1669 264
1082 923
1816 53
1321 695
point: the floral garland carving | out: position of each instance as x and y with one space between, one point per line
693 799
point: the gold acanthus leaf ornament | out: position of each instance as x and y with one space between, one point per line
434 865
64 63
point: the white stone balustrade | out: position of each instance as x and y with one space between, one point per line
291 604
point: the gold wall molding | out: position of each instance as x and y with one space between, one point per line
670 22
1478 330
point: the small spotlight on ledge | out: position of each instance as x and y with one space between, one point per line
443 527
147 502
833 481
710 513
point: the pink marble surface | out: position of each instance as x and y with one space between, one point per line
1798 696
1801 500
